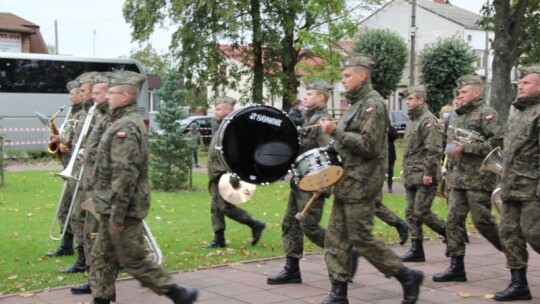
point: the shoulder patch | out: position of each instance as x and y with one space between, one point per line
121 134
369 110
489 118
429 125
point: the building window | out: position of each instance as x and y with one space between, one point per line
479 63
469 38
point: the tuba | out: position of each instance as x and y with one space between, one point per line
53 146
154 252
493 163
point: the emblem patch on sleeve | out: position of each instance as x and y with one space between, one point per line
489 118
369 110
121 134
429 125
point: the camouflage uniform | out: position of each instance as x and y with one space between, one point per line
293 230
122 197
520 181
471 190
422 154
361 141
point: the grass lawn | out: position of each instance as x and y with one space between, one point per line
180 222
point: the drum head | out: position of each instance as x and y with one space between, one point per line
258 143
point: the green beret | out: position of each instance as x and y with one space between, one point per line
126 77
417 89
528 69
225 99
74 84
470 79
320 85
85 77
357 60
101 78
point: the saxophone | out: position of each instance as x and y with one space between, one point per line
53 146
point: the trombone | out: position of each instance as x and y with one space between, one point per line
154 253
68 176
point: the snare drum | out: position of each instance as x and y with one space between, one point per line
258 143
316 169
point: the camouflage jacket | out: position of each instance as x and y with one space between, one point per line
314 137
215 167
100 125
361 138
121 171
422 149
521 169
463 169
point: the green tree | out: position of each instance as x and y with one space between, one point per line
170 159
153 62
390 52
441 64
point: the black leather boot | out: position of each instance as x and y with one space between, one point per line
181 295
65 248
454 273
81 288
410 282
403 230
289 274
256 231
80 264
518 288
416 253
101 301
353 263
218 241
338 294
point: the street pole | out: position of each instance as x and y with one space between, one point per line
94 42
56 36
412 61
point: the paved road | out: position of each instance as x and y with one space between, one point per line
246 282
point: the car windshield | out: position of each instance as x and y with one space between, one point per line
185 122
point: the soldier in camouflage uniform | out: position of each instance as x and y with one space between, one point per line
122 200
520 184
75 114
470 190
77 215
221 208
422 152
101 118
361 141
292 230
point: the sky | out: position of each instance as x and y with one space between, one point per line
97 28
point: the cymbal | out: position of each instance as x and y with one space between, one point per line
235 196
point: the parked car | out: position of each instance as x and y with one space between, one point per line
399 119
205 126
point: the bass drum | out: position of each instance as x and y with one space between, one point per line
258 143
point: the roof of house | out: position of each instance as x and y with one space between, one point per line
453 13
13 23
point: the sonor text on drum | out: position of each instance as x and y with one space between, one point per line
266 119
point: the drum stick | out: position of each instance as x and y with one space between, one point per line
317 125
300 215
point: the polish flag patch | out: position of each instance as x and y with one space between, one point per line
369 110
429 125
489 118
121 134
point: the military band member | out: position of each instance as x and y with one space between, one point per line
422 152
122 198
293 230
520 184
221 208
469 189
64 141
361 140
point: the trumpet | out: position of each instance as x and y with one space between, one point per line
466 136
154 253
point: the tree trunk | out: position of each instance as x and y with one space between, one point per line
289 59
258 67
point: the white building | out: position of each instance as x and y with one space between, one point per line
434 20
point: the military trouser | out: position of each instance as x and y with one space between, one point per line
293 230
519 225
478 202
220 208
351 224
126 248
418 211
385 214
90 233
65 203
78 217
